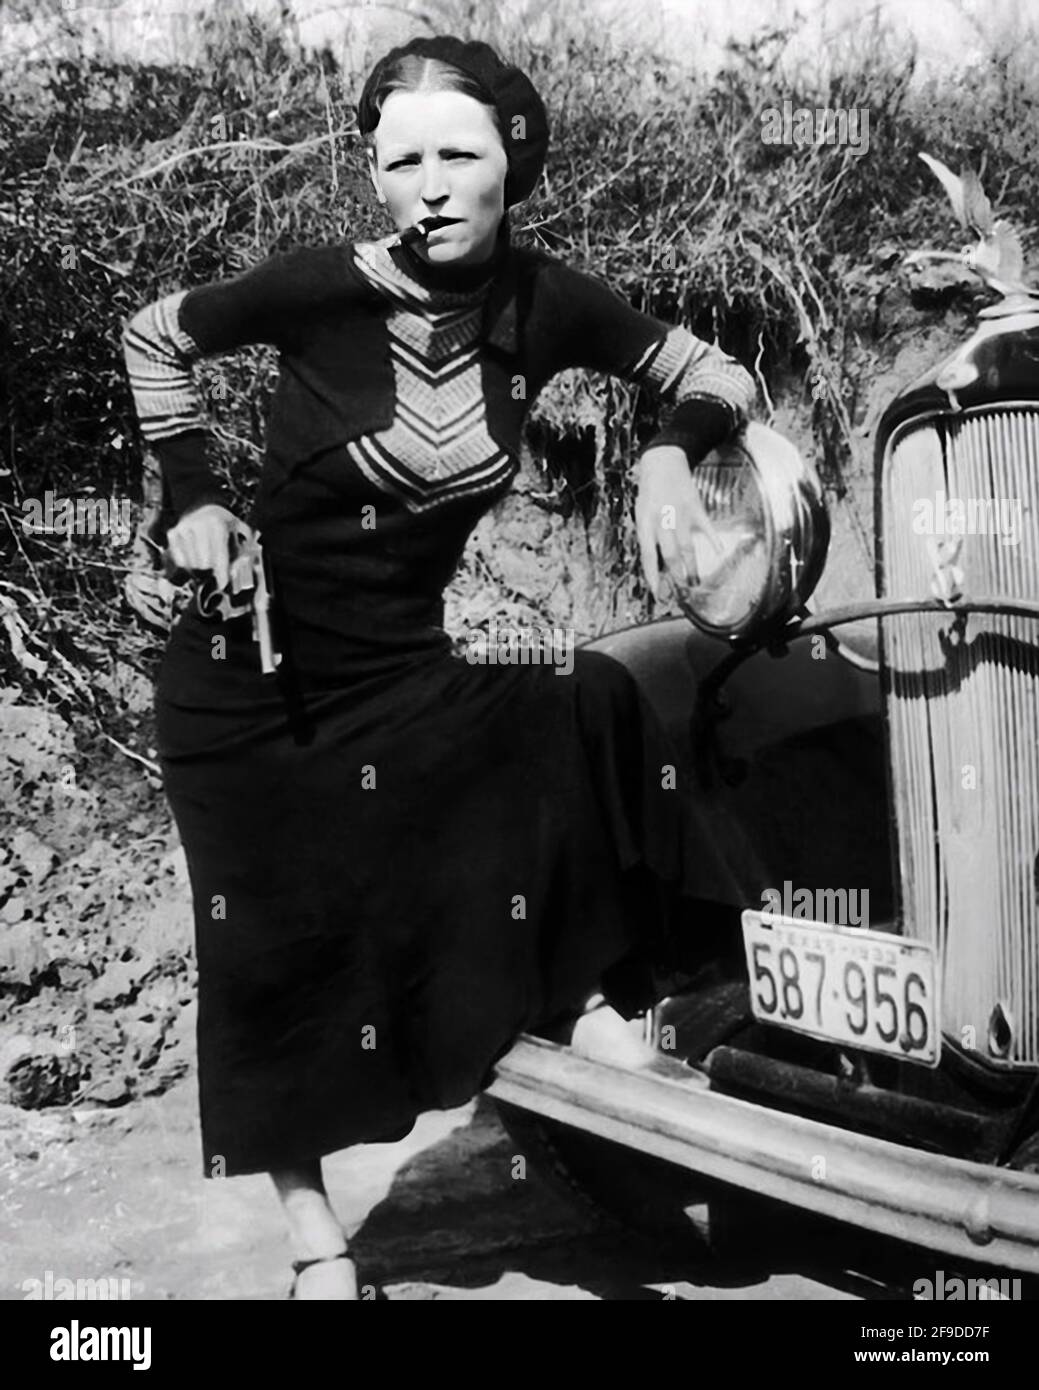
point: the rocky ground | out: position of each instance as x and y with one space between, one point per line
95 977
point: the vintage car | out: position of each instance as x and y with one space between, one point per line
860 1040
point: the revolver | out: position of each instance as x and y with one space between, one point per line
248 590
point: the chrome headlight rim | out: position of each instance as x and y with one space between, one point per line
796 533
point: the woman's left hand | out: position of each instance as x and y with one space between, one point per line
669 513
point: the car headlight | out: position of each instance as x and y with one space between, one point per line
769 535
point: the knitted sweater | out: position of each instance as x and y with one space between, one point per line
423 375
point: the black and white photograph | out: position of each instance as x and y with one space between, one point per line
519 667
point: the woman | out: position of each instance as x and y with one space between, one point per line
400 860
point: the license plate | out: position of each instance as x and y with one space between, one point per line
866 989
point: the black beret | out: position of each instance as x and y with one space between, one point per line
511 91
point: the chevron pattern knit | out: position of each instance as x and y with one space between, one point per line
438 447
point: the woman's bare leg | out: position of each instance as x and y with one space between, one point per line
315 1233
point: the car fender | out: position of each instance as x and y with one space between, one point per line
782 763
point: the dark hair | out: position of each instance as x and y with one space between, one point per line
475 70
412 73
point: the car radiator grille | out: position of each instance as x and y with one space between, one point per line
963 711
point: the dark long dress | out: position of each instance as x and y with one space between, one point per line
399 860
396 872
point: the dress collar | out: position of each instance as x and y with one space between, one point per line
499 273
454 279
396 271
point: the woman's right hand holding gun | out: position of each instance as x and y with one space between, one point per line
201 541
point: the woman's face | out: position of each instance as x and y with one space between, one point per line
439 153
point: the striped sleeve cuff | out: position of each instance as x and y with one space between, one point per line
682 367
159 356
706 394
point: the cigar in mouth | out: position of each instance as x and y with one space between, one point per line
412 234
419 231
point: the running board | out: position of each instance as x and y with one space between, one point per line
974 1211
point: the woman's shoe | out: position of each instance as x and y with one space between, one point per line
603 1035
299 1266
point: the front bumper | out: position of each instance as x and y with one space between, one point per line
973 1211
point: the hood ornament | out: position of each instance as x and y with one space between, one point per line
996 257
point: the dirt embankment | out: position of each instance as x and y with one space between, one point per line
96 984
